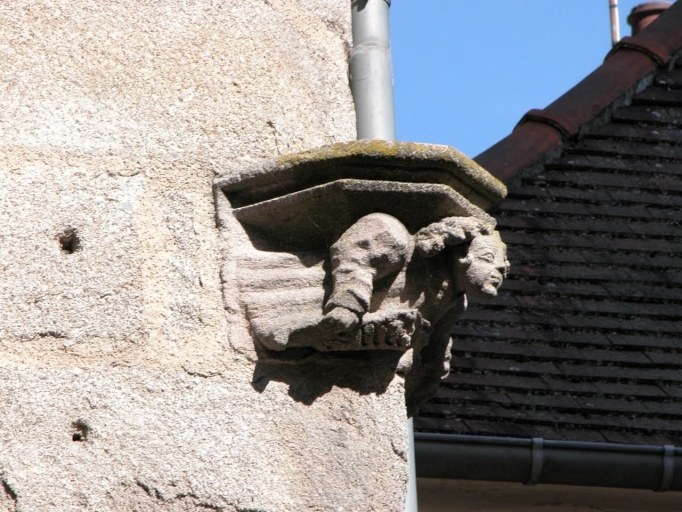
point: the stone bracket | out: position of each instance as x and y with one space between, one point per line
366 245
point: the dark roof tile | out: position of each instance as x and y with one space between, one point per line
639 133
659 96
660 115
630 149
670 79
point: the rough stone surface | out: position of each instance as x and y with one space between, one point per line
102 438
119 385
233 82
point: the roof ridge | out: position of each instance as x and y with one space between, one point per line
628 67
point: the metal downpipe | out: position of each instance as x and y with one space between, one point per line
371 75
615 23
371 82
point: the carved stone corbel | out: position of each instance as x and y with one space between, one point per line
365 246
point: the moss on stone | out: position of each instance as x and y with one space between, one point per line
399 154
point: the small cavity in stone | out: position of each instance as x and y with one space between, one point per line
69 241
81 431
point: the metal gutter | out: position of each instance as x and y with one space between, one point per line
541 461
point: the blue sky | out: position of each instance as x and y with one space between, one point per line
466 71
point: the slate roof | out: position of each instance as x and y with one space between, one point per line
584 341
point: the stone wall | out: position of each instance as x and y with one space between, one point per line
120 388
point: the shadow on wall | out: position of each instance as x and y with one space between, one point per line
310 374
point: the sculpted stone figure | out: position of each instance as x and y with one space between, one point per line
360 254
389 289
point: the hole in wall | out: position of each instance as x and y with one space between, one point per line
69 241
8 490
80 432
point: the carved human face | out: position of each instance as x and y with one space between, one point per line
485 266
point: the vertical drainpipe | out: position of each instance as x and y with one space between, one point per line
615 23
411 500
371 79
371 76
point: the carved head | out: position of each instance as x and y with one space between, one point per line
478 257
482 269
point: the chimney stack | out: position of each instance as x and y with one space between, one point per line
643 15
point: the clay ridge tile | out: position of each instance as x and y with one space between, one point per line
663 36
556 121
656 51
626 65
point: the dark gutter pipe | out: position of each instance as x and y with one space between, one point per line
541 461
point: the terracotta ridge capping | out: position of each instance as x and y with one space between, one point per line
563 126
656 51
541 133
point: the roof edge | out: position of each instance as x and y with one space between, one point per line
541 133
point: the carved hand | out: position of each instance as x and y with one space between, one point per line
395 328
341 324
